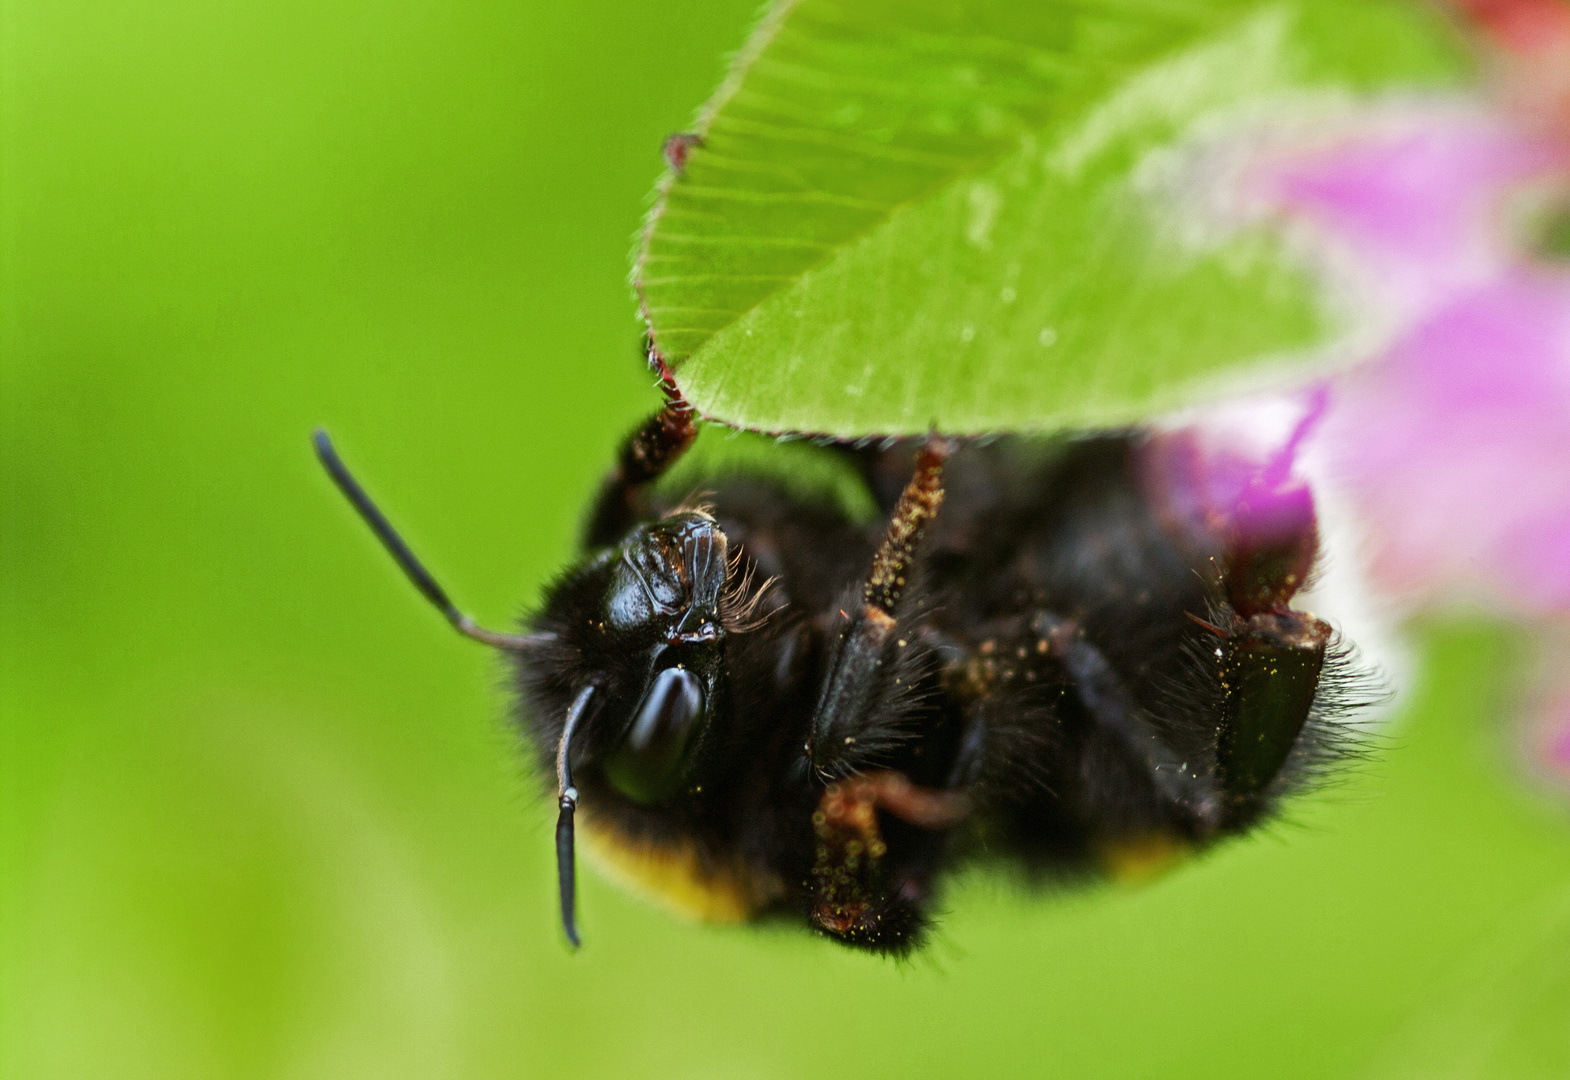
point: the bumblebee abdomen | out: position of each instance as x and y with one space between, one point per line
673 874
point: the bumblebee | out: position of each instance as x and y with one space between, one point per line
761 705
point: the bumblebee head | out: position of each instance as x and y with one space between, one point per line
624 667
656 635
629 672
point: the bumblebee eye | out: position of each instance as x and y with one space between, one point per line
647 766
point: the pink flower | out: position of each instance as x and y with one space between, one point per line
1456 446
1249 502
1412 206
1455 442
1450 444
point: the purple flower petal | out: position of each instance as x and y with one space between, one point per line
1558 742
1443 461
1242 504
1414 202
1456 445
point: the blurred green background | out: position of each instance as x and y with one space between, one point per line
262 817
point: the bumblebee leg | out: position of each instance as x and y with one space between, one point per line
647 453
1107 699
1270 666
856 896
866 657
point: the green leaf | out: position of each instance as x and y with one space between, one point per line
1502 1011
907 213
811 474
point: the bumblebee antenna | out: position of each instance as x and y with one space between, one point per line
567 799
405 559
